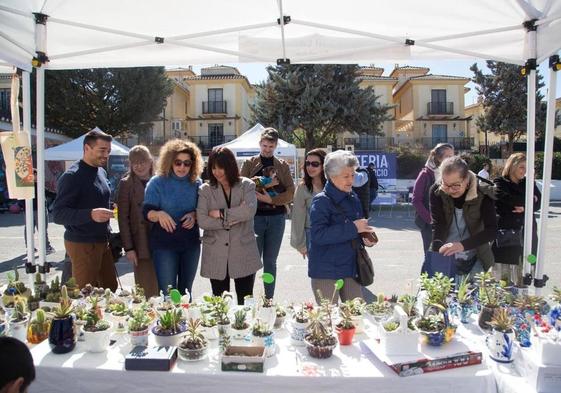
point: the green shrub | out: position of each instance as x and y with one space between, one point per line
476 161
409 162
555 167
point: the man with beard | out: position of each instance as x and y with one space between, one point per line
82 206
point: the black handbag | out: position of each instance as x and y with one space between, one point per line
116 245
364 266
509 238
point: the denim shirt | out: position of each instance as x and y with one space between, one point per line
331 255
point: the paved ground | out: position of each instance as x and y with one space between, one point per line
397 258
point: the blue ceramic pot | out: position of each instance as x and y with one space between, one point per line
62 338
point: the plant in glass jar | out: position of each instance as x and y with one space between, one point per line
320 340
194 346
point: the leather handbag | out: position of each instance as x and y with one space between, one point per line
509 238
364 266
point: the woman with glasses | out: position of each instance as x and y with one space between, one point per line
170 203
463 218
133 227
511 201
227 205
312 184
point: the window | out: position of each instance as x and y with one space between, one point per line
438 104
176 125
216 103
5 101
439 133
215 134
215 95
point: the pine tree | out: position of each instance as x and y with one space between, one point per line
504 93
311 104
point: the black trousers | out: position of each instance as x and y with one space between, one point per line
244 286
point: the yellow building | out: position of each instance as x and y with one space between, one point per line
209 109
474 111
430 109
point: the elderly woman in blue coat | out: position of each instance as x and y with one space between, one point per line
336 221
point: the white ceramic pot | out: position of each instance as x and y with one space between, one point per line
119 323
500 346
298 332
168 340
210 333
19 329
358 321
97 341
268 342
139 337
237 334
267 315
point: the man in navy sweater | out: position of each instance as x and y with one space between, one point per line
82 206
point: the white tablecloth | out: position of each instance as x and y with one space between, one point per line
351 369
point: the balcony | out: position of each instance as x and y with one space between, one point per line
373 143
215 107
440 108
459 143
206 143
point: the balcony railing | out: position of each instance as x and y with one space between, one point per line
459 143
206 143
383 143
440 108
373 143
215 107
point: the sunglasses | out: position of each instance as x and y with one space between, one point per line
185 163
313 164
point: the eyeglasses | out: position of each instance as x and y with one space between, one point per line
455 186
185 163
313 164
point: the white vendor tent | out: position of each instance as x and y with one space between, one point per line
73 150
70 34
247 144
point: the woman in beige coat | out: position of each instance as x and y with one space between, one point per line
132 226
225 211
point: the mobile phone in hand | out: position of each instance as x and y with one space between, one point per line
370 236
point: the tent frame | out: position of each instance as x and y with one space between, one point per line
531 26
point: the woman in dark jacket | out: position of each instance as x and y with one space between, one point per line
463 218
511 194
336 220
424 182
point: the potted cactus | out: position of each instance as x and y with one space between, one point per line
97 331
345 328
490 297
280 316
139 324
194 346
38 329
240 327
40 287
62 337
356 309
119 314
464 297
320 341
169 329
299 325
14 288
501 340
263 337
19 319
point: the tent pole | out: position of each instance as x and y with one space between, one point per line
281 20
29 225
530 156
41 165
540 279
41 50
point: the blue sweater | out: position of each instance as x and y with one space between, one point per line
79 190
331 255
176 196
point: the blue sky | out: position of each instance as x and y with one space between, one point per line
256 73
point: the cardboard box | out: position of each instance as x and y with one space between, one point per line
249 359
151 358
545 379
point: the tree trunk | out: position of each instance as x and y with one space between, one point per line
510 143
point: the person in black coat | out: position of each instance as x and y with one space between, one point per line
510 206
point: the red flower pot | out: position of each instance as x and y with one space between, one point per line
345 336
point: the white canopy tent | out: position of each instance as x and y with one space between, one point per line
73 150
65 34
247 144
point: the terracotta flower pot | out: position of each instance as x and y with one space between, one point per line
345 335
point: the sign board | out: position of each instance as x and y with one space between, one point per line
385 164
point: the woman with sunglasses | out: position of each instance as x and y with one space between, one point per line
312 184
170 203
463 218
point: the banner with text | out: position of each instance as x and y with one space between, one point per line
385 164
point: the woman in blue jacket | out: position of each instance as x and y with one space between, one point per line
170 202
336 220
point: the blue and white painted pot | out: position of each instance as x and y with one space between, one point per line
500 346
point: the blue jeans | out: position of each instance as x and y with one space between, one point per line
177 268
269 231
